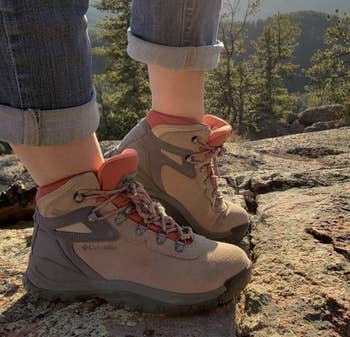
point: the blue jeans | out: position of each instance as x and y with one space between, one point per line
46 91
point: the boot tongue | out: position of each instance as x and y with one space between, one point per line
220 130
116 168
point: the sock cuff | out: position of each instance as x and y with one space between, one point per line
46 189
155 118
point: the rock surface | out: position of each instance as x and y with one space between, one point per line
265 125
320 126
300 237
297 189
17 191
324 113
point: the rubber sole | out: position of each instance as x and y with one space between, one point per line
142 303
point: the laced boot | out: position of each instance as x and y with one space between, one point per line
178 167
100 235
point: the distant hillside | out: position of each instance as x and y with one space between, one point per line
270 7
313 26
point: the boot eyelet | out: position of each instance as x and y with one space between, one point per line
140 230
195 139
79 197
129 210
161 238
92 217
179 246
120 218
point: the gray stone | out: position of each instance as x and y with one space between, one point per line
303 281
17 191
291 117
320 126
322 113
295 127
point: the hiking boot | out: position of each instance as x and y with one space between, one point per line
178 168
100 235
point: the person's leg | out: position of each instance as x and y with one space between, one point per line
178 144
182 45
96 234
47 164
47 107
177 93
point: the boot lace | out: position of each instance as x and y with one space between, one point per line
137 200
207 158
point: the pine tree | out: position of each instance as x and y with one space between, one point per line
330 71
272 61
122 90
228 87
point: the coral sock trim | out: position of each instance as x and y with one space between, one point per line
155 118
43 190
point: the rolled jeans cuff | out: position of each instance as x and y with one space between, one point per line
36 127
202 58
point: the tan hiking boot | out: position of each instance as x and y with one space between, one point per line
102 236
178 167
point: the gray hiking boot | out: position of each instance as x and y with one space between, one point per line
102 236
178 168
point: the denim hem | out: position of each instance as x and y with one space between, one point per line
37 127
175 58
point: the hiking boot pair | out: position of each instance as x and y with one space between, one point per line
101 235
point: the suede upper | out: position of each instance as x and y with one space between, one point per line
178 166
111 245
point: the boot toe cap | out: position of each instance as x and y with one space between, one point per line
235 216
230 261
234 224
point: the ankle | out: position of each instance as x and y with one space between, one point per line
177 93
48 164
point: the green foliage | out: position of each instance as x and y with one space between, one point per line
313 26
257 65
272 61
122 89
256 80
330 71
228 87
99 59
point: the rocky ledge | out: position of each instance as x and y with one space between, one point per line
297 189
